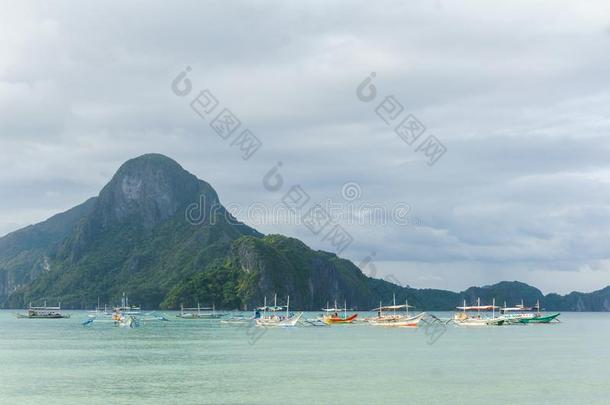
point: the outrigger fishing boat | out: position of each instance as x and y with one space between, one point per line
331 315
125 321
388 316
522 314
241 319
125 315
271 318
198 313
464 318
98 310
127 309
43 312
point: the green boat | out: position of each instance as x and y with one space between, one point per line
540 319
522 314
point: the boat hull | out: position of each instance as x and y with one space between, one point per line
196 316
480 322
540 319
21 316
398 321
279 323
335 320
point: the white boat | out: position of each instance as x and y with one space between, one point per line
118 319
124 315
272 317
43 312
98 312
466 317
126 321
389 317
127 309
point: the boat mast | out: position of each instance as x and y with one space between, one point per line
407 307
287 306
493 308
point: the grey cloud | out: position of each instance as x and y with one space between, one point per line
518 94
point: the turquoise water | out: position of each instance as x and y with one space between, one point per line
205 362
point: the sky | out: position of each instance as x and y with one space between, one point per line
516 93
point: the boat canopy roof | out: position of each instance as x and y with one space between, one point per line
45 308
200 308
333 309
277 308
478 308
517 308
392 307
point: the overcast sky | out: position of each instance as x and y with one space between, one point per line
518 93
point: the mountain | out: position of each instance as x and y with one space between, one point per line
24 254
162 235
133 237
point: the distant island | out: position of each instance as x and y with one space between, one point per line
135 237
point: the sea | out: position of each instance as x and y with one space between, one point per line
208 362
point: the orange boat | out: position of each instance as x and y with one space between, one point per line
335 318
